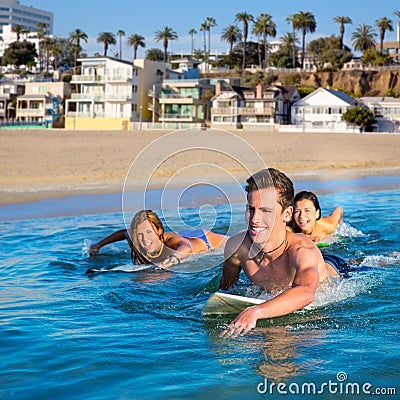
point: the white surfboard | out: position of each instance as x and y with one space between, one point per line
224 303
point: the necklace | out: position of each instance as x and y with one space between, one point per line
156 255
263 253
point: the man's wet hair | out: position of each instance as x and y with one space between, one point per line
271 177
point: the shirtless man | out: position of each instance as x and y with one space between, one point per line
272 257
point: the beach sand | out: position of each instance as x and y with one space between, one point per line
43 164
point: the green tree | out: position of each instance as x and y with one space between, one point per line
384 24
245 19
192 32
327 50
107 38
359 116
74 39
120 33
232 35
154 54
166 35
375 57
363 38
136 41
306 23
268 28
342 21
19 53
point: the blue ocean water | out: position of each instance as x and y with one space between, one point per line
66 335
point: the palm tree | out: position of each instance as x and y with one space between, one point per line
290 20
384 24
268 28
342 21
256 31
231 34
304 22
19 30
136 41
192 32
245 18
204 29
289 44
166 34
397 14
75 38
120 33
210 22
106 38
363 38
41 33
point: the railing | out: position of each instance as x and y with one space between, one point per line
242 111
30 111
100 78
101 97
178 96
177 116
22 124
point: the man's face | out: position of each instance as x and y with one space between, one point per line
264 215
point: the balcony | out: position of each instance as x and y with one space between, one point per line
176 117
100 78
101 96
32 112
255 111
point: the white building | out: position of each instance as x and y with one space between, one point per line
322 111
13 13
110 93
386 111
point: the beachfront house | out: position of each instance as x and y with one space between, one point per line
386 111
252 107
179 103
9 90
321 111
111 94
42 104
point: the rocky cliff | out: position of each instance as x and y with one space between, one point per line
360 83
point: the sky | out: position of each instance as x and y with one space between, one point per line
145 17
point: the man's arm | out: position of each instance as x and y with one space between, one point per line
117 236
295 298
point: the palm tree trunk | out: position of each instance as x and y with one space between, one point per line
303 49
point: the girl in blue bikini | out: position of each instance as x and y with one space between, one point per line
151 245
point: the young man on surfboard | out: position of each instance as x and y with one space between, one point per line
272 257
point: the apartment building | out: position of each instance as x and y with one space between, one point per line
111 93
8 92
252 107
42 103
12 12
179 103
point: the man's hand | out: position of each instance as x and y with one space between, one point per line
242 324
93 250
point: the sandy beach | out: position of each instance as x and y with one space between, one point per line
42 164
